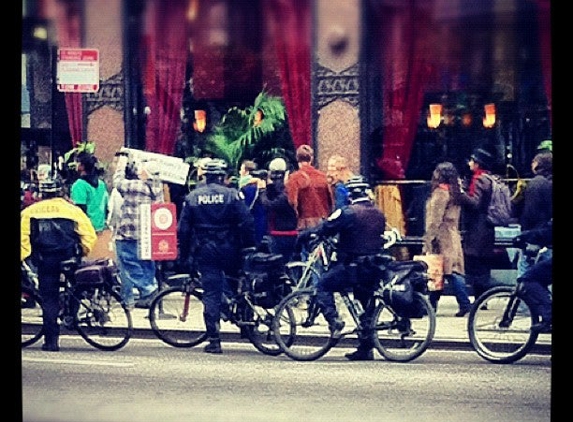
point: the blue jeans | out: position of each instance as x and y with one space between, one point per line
524 262
134 272
458 284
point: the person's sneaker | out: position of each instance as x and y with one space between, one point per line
336 328
543 327
50 347
360 355
214 346
462 312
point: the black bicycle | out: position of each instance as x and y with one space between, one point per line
176 314
399 334
89 302
500 321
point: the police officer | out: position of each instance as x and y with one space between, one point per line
53 230
215 225
360 227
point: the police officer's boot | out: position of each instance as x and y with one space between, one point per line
214 346
51 344
364 350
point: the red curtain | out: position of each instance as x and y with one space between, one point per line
406 74
289 22
68 23
164 49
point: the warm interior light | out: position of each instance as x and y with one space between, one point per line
192 10
435 116
200 120
258 117
466 119
489 119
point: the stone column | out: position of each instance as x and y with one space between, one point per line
103 111
335 71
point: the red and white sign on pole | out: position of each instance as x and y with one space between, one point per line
78 70
158 232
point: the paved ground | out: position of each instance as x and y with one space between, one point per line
451 331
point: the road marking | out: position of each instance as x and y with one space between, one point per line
78 362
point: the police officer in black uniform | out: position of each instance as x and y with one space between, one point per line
360 227
215 225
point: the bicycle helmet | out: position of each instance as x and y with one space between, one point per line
358 188
50 186
216 167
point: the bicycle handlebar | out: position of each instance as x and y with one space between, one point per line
391 237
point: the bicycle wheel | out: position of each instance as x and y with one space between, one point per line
31 326
176 317
403 339
499 326
300 329
302 274
102 319
260 329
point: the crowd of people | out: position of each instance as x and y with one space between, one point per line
281 204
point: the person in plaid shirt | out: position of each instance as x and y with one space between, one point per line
136 184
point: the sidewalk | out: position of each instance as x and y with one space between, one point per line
451 332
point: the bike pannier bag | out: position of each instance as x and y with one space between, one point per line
267 279
402 279
90 276
94 273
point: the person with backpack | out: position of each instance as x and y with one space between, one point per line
478 233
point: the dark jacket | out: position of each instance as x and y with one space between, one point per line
478 235
536 208
359 226
281 216
215 225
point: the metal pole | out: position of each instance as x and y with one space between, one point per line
53 81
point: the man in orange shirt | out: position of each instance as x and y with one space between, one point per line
308 191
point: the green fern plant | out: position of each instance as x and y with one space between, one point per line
235 137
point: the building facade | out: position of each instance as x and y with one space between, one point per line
358 77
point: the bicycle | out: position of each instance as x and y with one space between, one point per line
302 332
176 314
322 253
89 302
499 324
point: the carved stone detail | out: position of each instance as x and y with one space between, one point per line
110 94
337 85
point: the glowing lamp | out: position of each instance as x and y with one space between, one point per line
489 119
200 120
435 116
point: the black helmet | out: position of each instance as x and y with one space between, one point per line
357 187
215 167
50 186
